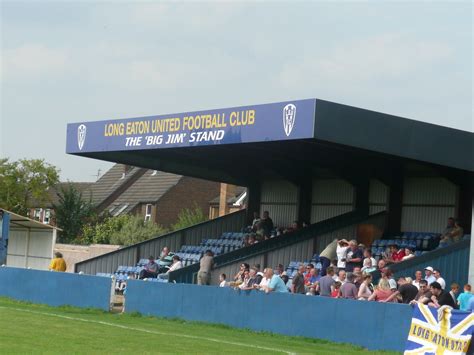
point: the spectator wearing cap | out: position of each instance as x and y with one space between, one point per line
439 279
463 298
297 284
406 291
349 290
418 278
396 255
150 270
429 275
354 256
276 284
409 253
326 283
439 297
328 254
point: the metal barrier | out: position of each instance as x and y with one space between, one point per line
56 288
193 235
374 325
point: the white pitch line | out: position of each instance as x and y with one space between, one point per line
151 331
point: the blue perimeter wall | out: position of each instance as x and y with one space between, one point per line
373 325
55 288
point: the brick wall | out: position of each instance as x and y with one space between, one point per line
184 195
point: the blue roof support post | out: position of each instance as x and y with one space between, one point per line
471 255
361 190
4 228
254 192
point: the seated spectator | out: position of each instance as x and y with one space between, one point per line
463 298
366 288
336 292
252 239
297 285
396 255
388 275
452 234
358 278
341 251
424 293
295 226
222 282
439 297
276 284
266 223
328 254
406 291
458 232
58 263
280 270
381 292
381 265
245 281
150 270
311 291
174 266
313 278
418 278
326 283
369 264
409 253
349 290
239 277
285 278
256 219
341 277
264 282
307 274
439 279
354 256
429 275
454 293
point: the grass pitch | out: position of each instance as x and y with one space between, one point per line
30 328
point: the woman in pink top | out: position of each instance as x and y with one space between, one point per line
365 288
382 292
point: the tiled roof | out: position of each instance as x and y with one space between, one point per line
239 190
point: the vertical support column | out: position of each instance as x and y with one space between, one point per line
466 193
254 193
395 201
471 255
226 192
305 193
361 190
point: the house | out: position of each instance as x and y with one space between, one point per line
235 198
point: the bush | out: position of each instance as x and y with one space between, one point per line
189 217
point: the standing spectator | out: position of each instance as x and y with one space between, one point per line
365 289
369 264
313 278
354 256
418 278
454 292
256 219
279 270
341 251
328 254
297 285
175 266
58 263
341 277
349 290
358 278
388 275
396 255
453 233
463 298
264 282
276 284
336 293
470 305
239 277
222 282
439 279
429 275
266 223
150 270
381 292
439 297
206 265
326 283
424 294
245 283
458 232
409 253
406 290
307 274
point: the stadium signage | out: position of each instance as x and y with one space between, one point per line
246 124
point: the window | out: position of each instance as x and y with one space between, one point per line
37 215
121 210
154 173
148 212
46 216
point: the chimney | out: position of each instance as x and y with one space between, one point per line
227 191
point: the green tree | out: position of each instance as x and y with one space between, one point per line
72 213
25 181
188 217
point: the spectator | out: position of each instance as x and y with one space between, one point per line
341 277
326 283
295 226
388 275
258 274
358 278
266 223
239 277
396 255
206 265
354 256
429 275
458 232
470 305
439 279
381 265
276 284
439 297
265 280
406 290
245 282
381 292
311 291
336 292
349 290
297 285
424 294
463 298
341 251
222 282
150 270
418 278
453 233
252 240
285 279
453 293
313 277
409 253
174 266
58 263
256 219
328 254
369 264
446 234
280 270
307 274
164 253
365 289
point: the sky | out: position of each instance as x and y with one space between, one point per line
64 62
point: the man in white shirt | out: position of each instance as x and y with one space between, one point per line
341 251
429 275
175 266
439 279
418 278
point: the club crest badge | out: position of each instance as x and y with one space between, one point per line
81 135
289 117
